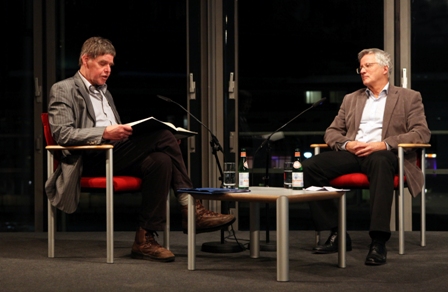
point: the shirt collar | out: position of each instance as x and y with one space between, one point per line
91 88
384 91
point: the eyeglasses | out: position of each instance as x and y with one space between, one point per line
366 66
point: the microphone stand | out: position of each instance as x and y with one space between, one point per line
222 246
268 245
272 246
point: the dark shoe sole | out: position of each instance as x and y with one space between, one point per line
211 229
370 263
140 256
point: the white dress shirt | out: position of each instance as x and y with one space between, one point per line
371 126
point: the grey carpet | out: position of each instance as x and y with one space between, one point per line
80 265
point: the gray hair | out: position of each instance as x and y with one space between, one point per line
383 58
96 46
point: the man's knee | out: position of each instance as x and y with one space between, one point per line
157 161
307 163
316 161
385 158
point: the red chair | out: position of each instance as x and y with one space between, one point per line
109 183
360 181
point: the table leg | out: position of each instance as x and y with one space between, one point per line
191 233
282 239
342 230
254 230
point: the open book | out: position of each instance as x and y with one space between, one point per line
328 189
152 124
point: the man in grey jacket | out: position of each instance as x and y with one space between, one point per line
81 111
365 135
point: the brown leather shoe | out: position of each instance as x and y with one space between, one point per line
146 247
206 221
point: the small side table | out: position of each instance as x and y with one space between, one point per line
282 197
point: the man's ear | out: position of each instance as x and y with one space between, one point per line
84 59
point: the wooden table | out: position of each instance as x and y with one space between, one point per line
282 197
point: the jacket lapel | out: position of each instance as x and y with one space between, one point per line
359 108
112 105
391 101
80 86
85 94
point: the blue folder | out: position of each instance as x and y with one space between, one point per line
210 191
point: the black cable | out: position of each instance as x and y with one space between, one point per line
232 234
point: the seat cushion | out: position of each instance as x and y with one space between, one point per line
121 183
356 181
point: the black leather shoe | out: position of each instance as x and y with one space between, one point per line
331 245
377 254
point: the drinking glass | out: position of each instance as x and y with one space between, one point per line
229 175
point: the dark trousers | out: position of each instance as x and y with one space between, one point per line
380 167
157 159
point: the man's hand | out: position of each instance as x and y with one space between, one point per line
362 149
117 132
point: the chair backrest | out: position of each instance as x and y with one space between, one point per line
49 138
47 131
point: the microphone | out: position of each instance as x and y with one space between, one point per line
317 103
165 98
215 140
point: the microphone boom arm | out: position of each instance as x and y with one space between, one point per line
287 123
214 143
267 140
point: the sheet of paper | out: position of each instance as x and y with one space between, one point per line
327 188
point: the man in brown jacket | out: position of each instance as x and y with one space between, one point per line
365 134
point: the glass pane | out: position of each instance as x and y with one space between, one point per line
291 54
429 44
16 119
150 40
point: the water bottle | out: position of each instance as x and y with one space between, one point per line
243 171
297 171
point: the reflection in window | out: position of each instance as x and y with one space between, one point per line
312 96
337 96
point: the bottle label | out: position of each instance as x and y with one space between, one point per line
243 181
297 179
297 164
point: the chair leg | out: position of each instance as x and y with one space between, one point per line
317 238
51 213
401 201
51 229
109 207
423 220
423 202
166 233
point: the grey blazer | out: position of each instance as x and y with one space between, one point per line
404 122
72 122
